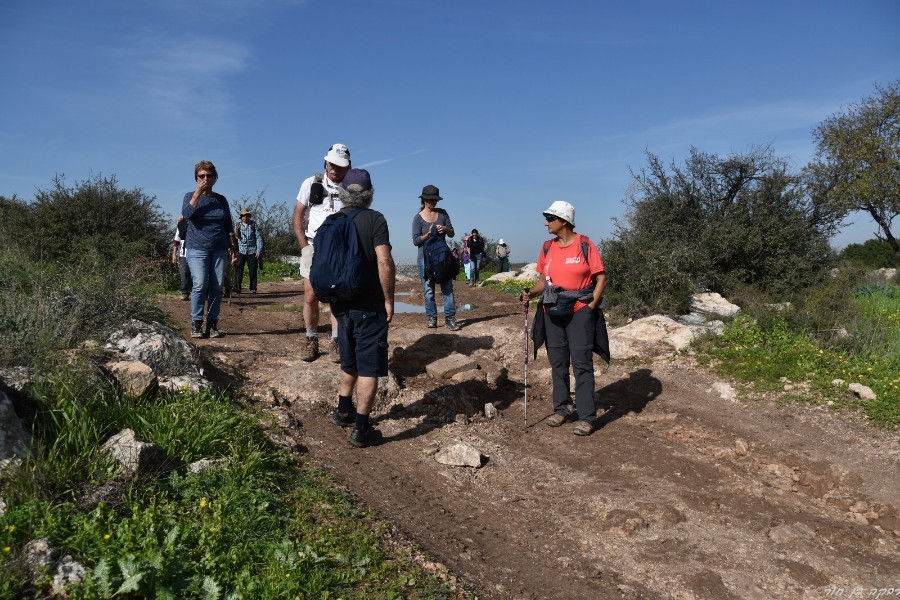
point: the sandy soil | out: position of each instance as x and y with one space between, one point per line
680 494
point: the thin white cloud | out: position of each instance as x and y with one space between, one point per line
260 170
387 160
184 81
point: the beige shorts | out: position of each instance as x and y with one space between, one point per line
306 261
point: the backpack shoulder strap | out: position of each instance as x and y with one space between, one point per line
585 246
547 246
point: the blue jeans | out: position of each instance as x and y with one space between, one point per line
475 261
446 292
208 276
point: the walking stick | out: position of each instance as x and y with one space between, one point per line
525 291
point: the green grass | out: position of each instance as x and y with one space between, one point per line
260 525
762 351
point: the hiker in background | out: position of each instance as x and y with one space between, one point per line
250 247
475 243
502 256
433 221
571 283
363 320
179 258
210 230
318 197
466 263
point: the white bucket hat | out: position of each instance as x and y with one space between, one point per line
501 242
338 155
563 210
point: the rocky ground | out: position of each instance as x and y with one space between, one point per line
679 494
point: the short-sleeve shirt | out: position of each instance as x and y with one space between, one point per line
372 230
316 213
567 268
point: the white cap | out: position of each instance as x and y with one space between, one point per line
563 210
501 242
338 155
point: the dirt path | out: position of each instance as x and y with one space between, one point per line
680 494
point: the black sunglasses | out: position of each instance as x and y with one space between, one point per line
206 176
550 218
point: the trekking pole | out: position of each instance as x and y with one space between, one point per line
525 291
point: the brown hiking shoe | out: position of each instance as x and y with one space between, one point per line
334 351
555 420
310 349
583 428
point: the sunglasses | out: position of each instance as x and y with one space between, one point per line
550 218
206 176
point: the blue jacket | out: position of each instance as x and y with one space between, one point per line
210 224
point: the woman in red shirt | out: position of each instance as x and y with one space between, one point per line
571 284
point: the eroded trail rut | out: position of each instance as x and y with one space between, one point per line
680 494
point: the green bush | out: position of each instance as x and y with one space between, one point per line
714 224
94 215
47 307
873 254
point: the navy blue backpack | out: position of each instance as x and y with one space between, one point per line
441 264
340 271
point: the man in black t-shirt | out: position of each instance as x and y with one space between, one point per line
363 321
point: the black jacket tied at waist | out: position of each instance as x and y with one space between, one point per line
601 336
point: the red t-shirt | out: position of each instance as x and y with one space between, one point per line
567 268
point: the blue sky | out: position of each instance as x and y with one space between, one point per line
506 106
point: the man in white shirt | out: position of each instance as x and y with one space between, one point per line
318 197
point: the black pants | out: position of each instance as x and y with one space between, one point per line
184 272
570 341
250 259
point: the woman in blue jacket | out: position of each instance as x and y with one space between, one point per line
210 230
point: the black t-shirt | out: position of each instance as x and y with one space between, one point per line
372 230
476 245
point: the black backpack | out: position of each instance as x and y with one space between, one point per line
340 271
441 263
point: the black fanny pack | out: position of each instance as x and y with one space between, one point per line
316 193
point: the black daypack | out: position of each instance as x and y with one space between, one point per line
340 270
441 263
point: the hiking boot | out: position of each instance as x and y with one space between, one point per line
212 330
185 296
583 428
197 329
432 322
342 419
363 439
334 351
310 350
555 420
451 324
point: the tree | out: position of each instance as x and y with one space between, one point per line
95 215
857 165
714 224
